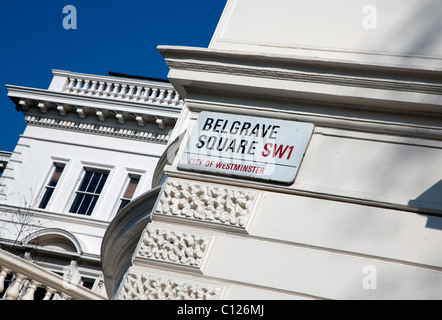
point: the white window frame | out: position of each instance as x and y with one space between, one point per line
129 172
45 181
92 166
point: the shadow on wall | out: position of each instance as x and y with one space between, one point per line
423 29
430 199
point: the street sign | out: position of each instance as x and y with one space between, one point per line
248 147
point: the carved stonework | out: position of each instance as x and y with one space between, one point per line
206 203
175 247
142 287
98 129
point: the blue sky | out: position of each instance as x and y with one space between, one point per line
117 36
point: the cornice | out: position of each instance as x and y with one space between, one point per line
298 190
54 216
303 76
292 61
107 130
379 88
64 103
5 156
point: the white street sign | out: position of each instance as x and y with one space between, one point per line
250 147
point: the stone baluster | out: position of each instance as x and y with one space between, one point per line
153 95
100 88
130 94
176 99
29 295
3 273
137 94
93 88
85 87
14 290
107 92
114 92
78 85
49 293
160 98
146 94
122 92
168 98
70 85
64 296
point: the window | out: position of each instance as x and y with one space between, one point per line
50 187
130 190
87 282
89 191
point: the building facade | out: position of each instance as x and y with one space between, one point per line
91 144
357 217
302 162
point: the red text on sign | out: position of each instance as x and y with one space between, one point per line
275 150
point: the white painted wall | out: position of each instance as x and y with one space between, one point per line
372 31
31 166
44 146
363 218
357 222
345 221
374 167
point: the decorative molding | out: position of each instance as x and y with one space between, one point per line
147 287
9 171
174 247
163 111
206 203
97 129
384 97
150 92
101 114
300 68
5 157
122 237
303 76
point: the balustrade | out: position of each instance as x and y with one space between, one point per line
20 279
122 91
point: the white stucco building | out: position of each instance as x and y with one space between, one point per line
362 217
91 144
304 163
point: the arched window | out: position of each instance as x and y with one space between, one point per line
55 240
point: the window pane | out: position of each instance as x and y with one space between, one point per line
77 202
101 183
86 180
88 192
87 282
56 174
92 205
123 204
46 197
94 182
131 187
84 207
